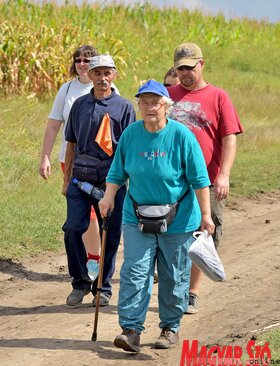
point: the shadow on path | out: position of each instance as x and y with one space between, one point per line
18 270
102 348
86 308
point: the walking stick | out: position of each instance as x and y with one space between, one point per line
100 275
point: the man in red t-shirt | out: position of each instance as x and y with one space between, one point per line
210 114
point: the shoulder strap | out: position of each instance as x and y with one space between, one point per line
68 87
184 195
134 204
67 90
179 200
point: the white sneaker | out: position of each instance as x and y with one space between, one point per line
193 304
93 269
103 300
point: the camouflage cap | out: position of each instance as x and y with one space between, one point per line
187 54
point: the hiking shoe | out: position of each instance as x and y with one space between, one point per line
129 341
103 301
76 296
193 304
167 339
93 269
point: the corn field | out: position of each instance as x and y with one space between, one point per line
37 41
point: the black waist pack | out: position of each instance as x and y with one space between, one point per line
154 219
91 169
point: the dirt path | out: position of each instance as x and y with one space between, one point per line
37 328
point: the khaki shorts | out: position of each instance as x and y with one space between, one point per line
217 210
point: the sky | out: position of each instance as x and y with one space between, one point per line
257 9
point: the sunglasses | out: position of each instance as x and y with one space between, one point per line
79 60
166 84
188 68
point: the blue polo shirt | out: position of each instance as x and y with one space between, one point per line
85 119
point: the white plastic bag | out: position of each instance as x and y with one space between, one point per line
204 255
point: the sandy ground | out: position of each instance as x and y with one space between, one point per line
37 328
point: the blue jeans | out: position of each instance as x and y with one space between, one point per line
77 222
137 272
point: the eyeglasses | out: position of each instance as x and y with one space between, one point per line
188 68
152 105
79 60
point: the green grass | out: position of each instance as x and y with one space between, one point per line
32 210
258 350
273 338
256 168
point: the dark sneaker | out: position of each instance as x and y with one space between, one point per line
103 301
129 341
76 296
193 304
167 339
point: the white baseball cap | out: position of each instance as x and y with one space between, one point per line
101 60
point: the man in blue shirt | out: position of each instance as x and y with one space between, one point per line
87 160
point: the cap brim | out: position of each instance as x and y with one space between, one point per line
152 92
186 62
96 66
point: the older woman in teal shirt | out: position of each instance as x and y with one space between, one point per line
163 162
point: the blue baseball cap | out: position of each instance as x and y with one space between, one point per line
152 86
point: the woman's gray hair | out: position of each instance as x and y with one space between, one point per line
168 101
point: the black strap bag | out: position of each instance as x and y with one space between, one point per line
154 219
91 169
